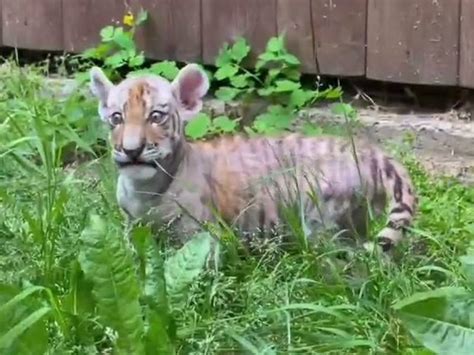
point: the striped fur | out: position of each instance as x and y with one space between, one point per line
244 179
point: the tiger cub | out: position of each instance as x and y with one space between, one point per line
164 178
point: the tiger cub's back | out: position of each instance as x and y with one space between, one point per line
250 178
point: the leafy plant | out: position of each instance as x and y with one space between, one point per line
442 319
108 264
23 327
230 69
203 126
118 47
167 69
276 79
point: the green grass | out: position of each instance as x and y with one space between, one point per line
271 302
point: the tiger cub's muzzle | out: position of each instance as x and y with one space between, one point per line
133 157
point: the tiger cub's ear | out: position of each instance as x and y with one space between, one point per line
100 85
189 88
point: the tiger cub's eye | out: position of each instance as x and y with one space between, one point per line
157 116
116 118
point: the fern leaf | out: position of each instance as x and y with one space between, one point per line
107 262
160 327
182 268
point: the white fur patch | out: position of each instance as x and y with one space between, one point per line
138 172
394 235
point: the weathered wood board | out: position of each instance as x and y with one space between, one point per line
294 20
226 20
340 36
413 41
466 50
32 24
172 30
84 19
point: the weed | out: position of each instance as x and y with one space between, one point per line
118 48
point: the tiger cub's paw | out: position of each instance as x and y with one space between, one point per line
381 248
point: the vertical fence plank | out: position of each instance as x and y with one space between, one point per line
1 27
340 36
466 51
225 20
294 19
172 30
32 24
413 41
83 20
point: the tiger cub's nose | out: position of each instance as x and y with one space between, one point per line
133 154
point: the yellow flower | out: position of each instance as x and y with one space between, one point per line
128 19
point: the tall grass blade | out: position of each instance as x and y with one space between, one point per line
22 326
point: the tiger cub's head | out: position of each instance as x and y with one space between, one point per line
146 115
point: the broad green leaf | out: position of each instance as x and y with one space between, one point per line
310 129
79 305
157 339
226 93
275 44
224 124
15 331
198 127
107 262
18 298
226 71
166 68
107 33
79 299
90 53
290 59
275 119
334 93
442 320
299 97
136 61
186 264
264 59
116 60
286 85
224 56
467 262
292 74
160 328
124 40
272 74
240 50
240 81
159 323
22 326
267 91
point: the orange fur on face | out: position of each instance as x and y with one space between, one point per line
136 111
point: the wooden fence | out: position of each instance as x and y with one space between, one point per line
408 41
